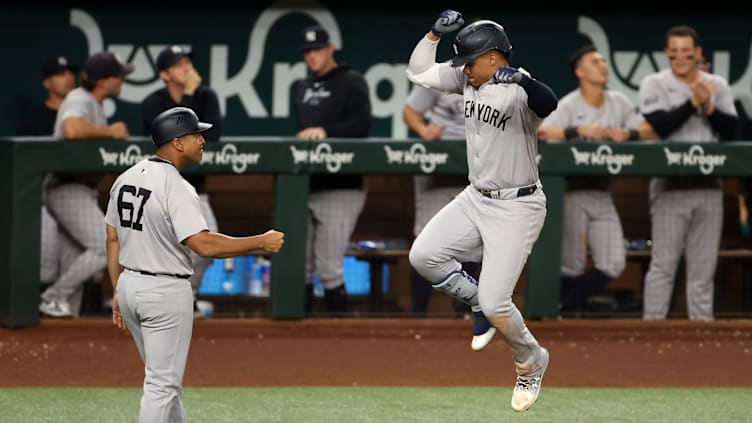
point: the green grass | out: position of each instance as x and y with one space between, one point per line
384 405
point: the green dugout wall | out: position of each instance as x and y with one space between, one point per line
27 160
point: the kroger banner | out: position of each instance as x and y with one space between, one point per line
251 56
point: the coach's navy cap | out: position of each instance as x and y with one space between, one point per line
314 37
56 65
169 55
104 65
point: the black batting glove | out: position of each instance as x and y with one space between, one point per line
507 75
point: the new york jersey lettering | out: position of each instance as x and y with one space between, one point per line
486 114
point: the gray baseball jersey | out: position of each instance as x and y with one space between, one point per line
79 103
502 145
662 91
617 111
154 210
500 130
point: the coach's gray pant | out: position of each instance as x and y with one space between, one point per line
159 314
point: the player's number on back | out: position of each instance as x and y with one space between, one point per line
126 208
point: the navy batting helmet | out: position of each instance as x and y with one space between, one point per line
478 38
175 122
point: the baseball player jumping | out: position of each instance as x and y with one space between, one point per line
499 216
154 220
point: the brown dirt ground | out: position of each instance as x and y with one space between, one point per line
386 352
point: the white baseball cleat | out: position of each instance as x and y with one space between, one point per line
527 388
55 308
483 332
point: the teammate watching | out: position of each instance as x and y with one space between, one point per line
685 104
435 115
499 216
183 88
332 102
154 220
73 200
596 114
58 79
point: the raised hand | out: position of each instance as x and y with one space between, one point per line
448 21
191 81
507 75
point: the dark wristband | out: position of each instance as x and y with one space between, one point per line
570 132
633 135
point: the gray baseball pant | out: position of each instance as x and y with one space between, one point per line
688 222
81 221
332 218
591 222
158 311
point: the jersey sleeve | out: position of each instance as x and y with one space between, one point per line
184 208
422 99
111 216
652 98
724 98
76 106
561 117
630 117
423 70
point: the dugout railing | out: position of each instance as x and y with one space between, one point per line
291 161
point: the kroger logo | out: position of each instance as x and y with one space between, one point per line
416 154
322 154
602 156
695 156
228 154
129 157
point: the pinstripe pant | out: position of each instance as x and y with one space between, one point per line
81 221
332 216
688 222
49 249
591 221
